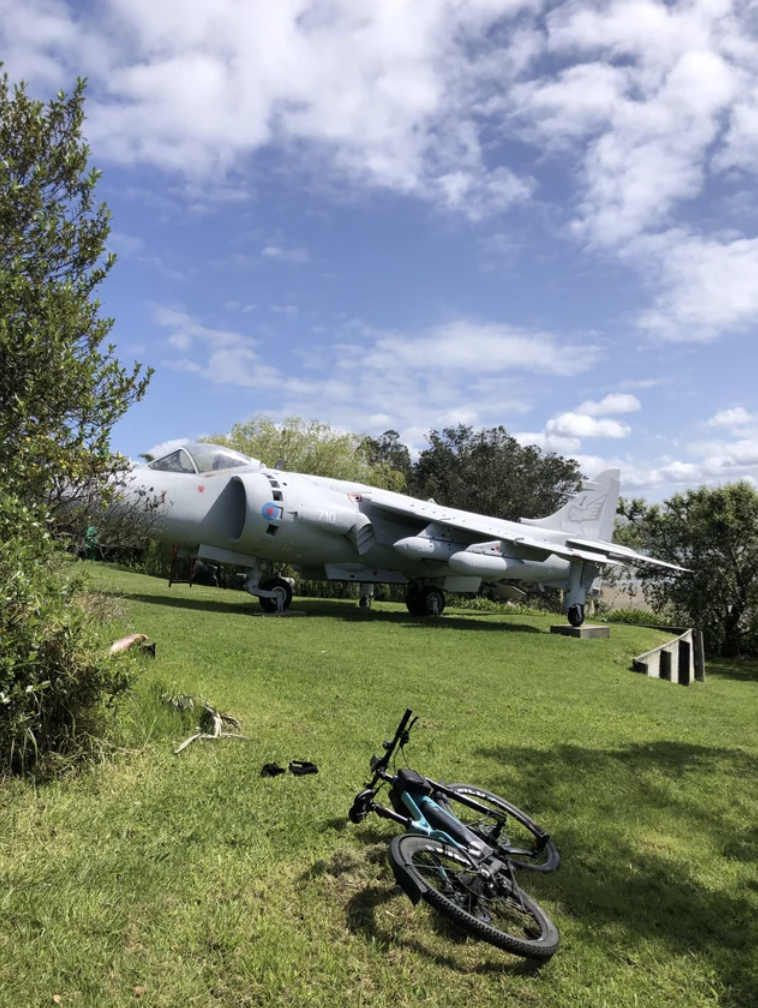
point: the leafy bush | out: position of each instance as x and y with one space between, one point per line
639 617
54 674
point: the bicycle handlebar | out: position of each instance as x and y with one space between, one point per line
401 737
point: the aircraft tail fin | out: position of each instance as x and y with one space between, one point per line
590 513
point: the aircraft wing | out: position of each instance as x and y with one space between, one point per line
530 547
622 554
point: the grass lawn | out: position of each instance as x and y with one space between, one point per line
195 882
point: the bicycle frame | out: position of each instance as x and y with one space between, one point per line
416 802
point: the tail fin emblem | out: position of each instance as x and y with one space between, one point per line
589 511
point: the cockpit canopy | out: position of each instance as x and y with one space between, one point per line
199 457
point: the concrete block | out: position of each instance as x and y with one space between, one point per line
584 632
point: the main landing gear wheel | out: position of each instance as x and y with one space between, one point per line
425 601
365 601
282 595
576 615
492 908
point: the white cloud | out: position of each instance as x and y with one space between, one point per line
708 286
616 403
228 357
462 372
381 92
579 425
649 102
294 256
549 442
289 309
737 416
481 348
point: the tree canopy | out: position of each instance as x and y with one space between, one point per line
309 446
488 471
61 388
712 531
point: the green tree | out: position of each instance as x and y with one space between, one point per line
488 471
311 447
712 531
61 389
389 450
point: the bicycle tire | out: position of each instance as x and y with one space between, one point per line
448 880
547 861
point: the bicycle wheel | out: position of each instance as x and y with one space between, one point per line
492 908
506 825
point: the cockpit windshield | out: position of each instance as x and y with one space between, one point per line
199 457
210 457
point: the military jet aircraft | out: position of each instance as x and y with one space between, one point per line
220 505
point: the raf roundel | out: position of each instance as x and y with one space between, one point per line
271 512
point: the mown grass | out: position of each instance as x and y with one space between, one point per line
194 881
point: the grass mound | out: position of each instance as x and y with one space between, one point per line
200 883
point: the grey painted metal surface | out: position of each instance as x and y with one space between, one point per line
223 506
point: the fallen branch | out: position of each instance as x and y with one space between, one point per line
212 721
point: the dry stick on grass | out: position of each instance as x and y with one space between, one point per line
210 718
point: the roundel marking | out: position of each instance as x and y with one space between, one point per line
271 511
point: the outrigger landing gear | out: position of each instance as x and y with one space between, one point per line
575 615
425 600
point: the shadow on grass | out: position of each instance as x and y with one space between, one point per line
740 669
620 873
361 919
241 608
333 610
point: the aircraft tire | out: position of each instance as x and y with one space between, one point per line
575 615
282 588
413 600
431 601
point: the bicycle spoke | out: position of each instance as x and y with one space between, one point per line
474 894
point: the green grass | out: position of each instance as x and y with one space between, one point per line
196 879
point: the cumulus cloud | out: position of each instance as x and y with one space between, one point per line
707 286
737 417
616 403
650 103
579 425
381 93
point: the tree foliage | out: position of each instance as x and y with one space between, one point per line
712 531
61 389
54 675
311 447
389 450
488 471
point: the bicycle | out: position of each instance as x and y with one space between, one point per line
457 856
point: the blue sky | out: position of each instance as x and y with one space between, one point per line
403 214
